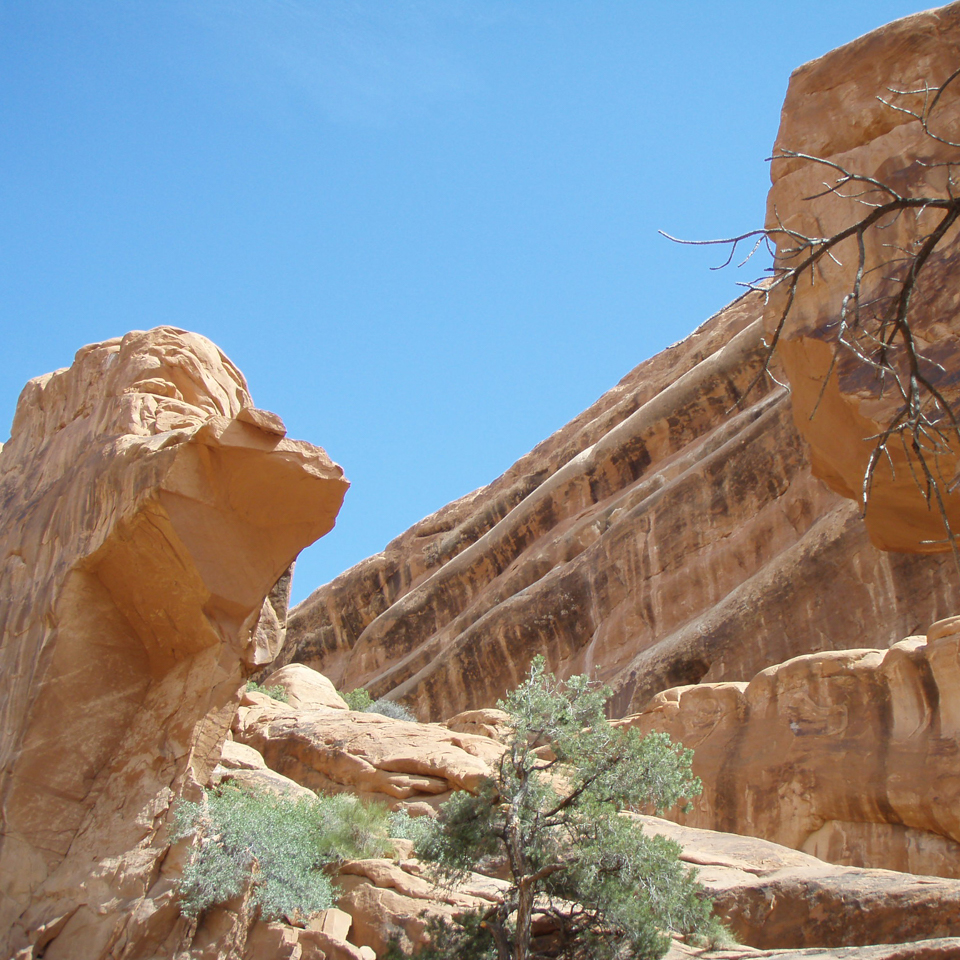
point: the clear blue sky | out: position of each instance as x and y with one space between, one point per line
426 230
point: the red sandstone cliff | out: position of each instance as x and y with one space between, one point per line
669 534
672 534
148 510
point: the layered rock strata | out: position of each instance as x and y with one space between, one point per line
852 755
148 510
858 109
329 749
672 533
773 897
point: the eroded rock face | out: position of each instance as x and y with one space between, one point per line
664 536
773 897
833 111
853 755
148 510
332 750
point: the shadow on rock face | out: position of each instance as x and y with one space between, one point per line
149 509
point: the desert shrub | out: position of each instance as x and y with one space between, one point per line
276 846
277 692
353 829
362 702
388 708
554 818
405 827
357 699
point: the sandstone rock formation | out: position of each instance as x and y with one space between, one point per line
833 111
773 897
664 536
148 511
769 895
332 750
852 755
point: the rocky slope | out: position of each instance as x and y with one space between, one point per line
771 897
148 511
665 536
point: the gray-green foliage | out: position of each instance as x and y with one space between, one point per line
278 846
405 827
554 814
389 708
277 692
362 702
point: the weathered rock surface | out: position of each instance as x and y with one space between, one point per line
332 750
833 112
662 537
771 896
941 948
305 688
389 899
851 755
148 511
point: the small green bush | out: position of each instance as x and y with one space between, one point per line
388 708
277 692
553 820
405 827
362 702
278 846
358 699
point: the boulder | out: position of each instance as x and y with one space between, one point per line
393 901
490 722
146 520
774 898
306 689
414 765
844 108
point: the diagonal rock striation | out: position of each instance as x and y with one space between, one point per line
667 535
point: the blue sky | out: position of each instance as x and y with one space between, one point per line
426 230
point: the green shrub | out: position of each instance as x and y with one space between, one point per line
357 699
278 846
388 708
405 827
353 829
553 819
277 692
362 702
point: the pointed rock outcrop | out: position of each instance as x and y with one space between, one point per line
148 510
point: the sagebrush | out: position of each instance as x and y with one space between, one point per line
276 848
361 701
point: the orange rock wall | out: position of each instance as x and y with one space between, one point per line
149 509
833 112
852 756
664 536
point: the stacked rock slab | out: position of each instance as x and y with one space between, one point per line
672 533
148 511
852 108
853 755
